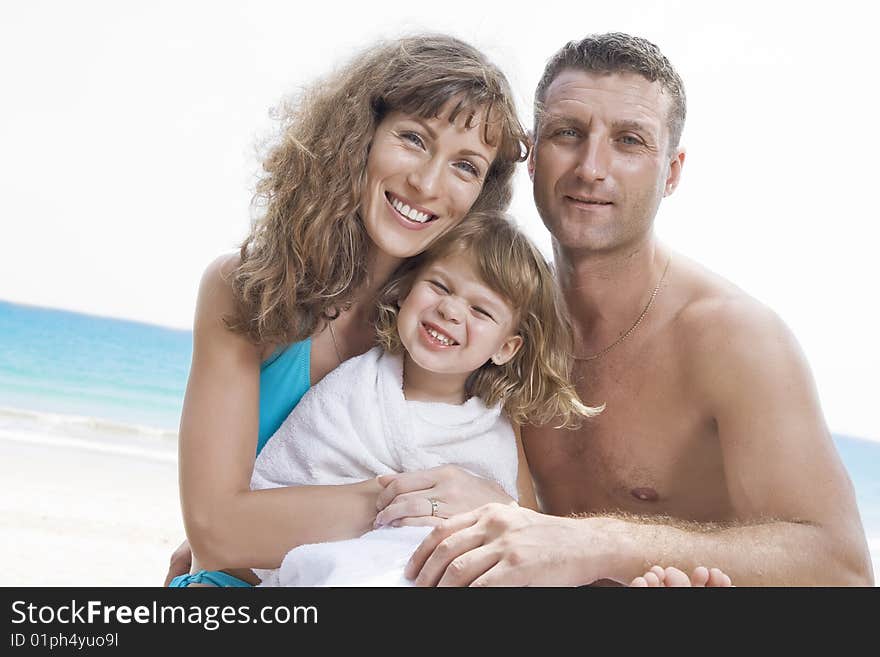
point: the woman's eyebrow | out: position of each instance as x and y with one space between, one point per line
425 125
476 154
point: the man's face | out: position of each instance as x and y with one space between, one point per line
601 161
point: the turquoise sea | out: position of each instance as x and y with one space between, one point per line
63 362
66 373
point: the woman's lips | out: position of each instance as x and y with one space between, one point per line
404 221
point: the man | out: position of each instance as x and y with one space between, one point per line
712 449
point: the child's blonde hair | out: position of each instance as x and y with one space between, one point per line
535 385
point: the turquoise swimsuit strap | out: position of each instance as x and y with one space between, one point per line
212 577
284 379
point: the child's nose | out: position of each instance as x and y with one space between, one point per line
449 310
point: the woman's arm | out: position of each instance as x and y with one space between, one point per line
227 524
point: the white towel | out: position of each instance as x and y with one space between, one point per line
356 424
375 559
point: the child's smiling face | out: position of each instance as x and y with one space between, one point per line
453 323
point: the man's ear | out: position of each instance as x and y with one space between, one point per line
530 161
507 350
674 176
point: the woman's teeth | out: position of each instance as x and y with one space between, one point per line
442 339
410 213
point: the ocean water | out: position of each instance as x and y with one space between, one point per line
68 363
68 376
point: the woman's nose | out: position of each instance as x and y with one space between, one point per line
425 178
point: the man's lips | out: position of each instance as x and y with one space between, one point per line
588 200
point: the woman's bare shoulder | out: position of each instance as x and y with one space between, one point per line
216 283
216 301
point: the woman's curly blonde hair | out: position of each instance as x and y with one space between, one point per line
535 385
306 254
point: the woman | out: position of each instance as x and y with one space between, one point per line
373 165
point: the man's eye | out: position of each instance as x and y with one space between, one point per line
630 140
566 132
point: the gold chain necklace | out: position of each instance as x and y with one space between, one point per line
335 346
634 326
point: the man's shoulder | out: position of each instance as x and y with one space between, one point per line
711 307
717 322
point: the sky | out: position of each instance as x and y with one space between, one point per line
130 133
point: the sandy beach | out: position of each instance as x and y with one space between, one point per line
84 513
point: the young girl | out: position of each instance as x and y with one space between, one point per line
473 338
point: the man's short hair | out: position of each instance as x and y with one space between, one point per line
617 52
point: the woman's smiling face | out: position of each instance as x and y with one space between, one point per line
423 176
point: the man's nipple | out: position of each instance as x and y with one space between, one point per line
645 494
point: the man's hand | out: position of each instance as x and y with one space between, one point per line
505 545
181 562
406 498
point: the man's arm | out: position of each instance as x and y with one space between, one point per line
797 518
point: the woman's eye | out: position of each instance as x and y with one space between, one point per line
466 166
413 138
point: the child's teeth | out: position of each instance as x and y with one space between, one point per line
442 338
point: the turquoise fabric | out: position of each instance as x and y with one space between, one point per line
212 577
284 379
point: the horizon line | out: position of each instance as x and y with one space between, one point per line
96 315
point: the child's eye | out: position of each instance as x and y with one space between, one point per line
483 313
439 286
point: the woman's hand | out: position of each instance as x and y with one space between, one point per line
181 562
406 497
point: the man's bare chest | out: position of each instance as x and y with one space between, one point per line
651 451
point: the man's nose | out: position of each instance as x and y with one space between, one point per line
426 177
594 160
